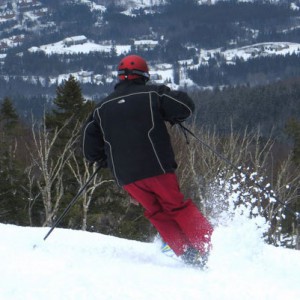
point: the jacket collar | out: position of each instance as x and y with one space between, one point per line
127 83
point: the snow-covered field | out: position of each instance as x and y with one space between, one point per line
84 48
160 73
80 265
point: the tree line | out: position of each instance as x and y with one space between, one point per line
197 24
255 71
42 169
227 22
267 107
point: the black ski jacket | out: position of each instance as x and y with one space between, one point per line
128 129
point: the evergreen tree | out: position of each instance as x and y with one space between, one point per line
70 111
293 130
71 106
8 115
12 165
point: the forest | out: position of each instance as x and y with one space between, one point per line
42 166
258 71
226 25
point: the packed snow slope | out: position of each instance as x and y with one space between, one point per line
80 265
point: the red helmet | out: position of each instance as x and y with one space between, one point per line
132 67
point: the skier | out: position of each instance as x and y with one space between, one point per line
127 133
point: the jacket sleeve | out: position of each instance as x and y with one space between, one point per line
175 106
92 141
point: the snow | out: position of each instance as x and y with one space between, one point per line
74 264
162 73
94 6
294 6
215 1
84 48
252 51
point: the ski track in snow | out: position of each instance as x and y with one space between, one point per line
73 264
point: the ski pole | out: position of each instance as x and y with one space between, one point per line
291 211
73 201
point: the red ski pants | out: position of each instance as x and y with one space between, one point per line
179 222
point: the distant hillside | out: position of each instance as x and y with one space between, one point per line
267 107
187 45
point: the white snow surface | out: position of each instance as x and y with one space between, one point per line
81 265
84 48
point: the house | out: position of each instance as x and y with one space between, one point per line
145 45
75 40
27 5
7 15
